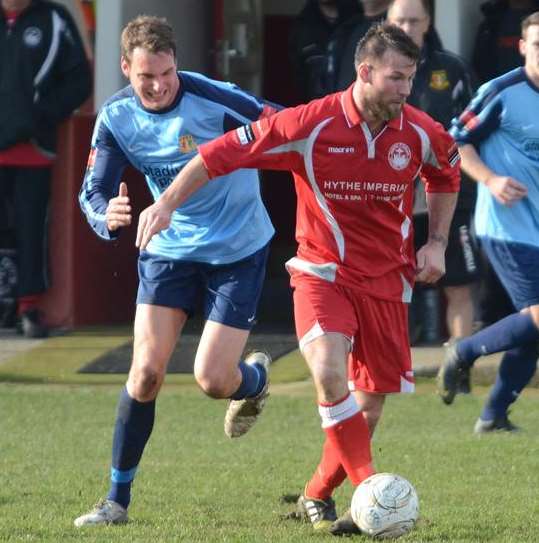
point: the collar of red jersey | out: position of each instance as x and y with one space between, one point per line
353 116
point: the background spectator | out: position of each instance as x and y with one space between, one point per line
44 77
443 86
496 43
310 36
343 45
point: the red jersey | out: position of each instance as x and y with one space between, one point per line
355 191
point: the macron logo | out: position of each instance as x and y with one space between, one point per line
341 150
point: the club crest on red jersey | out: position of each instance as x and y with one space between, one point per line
399 156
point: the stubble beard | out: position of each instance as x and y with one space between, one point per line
382 112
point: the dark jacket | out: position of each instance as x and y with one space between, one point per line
496 43
342 49
443 86
310 35
44 74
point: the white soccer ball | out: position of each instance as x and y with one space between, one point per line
385 506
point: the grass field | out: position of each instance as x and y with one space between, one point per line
194 484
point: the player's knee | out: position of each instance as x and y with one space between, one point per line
332 383
534 313
372 416
213 384
145 382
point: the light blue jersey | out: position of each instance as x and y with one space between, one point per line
223 222
502 122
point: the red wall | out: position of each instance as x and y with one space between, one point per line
92 281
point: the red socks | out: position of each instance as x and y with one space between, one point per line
328 475
352 440
347 450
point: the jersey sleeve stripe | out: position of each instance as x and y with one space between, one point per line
222 93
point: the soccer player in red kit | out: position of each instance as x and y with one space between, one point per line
354 156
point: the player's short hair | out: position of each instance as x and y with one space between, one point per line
382 37
530 20
153 34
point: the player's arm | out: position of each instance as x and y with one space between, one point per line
505 189
431 257
441 174
267 143
103 200
157 217
477 122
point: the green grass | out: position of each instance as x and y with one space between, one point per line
196 485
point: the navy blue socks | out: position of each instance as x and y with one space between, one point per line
513 331
516 370
253 381
134 423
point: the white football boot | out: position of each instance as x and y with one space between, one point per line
241 415
105 512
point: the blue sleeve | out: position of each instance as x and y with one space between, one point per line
480 119
242 106
106 164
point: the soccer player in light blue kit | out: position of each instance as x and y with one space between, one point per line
217 242
498 136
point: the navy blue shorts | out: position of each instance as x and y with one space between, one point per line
229 292
517 267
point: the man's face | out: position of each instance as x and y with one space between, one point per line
410 16
386 85
529 48
153 77
15 5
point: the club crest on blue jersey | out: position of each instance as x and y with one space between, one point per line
187 143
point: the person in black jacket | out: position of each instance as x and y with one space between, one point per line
342 46
44 77
496 43
311 33
443 86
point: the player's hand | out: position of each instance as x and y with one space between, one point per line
430 262
151 221
506 189
118 212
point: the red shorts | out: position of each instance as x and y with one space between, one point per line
380 359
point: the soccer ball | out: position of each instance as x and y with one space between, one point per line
385 506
